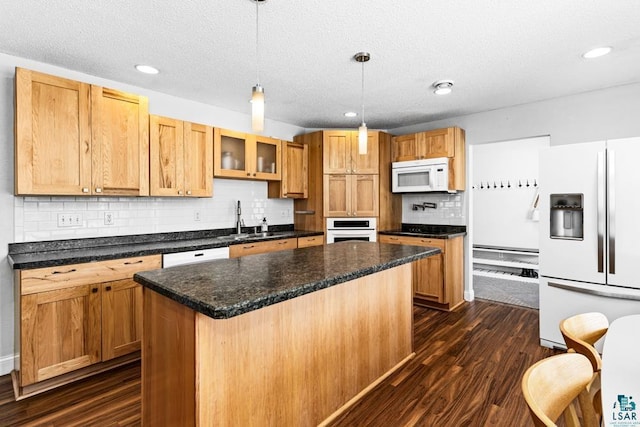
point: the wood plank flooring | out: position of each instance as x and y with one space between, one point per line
466 372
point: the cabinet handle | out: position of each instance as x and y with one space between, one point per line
98 190
85 189
188 192
248 247
94 290
282 243
393 238
64 272
180 192
108 288
133 262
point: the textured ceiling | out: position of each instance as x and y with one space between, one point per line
499 52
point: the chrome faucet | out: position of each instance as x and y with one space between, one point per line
238 219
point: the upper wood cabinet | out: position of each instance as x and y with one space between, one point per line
181 158
351 195
72 138
341 154
247 156
295 172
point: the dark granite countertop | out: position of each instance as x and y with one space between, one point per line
432 231
76 251
226 288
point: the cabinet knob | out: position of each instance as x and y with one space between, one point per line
188 192
94 290
108 288
180 192
248 174
98 190
254 174
85 189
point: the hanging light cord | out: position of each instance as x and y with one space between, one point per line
257 47
362 98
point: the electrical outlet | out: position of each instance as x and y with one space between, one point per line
108 218
196 216
69 220
283 213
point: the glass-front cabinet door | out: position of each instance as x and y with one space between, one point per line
230 153
267 158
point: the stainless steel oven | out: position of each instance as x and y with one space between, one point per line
341 229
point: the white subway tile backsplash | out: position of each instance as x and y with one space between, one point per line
450 209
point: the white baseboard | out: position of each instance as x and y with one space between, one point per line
7 364
469 295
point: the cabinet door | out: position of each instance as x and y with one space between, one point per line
365 163
337 193
436 143
305 242
428 278
295 171
364 195
230 153
404 148
60 332
121 318
166 156
198 160
52 135
253 248
337 152
120 143
266 159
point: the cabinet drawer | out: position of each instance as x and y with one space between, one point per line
52 278
262 247
304 242
415 241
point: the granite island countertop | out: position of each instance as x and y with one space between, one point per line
431 231
226 288
76 251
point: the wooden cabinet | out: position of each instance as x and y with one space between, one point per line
305 242
341 155
350 195
438 281
181 159
247 156
72 138
251 248
448 142
74 316
295 173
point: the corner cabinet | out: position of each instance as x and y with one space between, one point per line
75 320
246 156
447 142
438 281
181 159
295 173
72 138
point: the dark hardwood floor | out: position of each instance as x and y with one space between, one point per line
466 372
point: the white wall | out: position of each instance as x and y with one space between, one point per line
450 209
35 218
602 114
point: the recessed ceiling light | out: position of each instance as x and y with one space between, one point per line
442 87
350 114
597 52
147 69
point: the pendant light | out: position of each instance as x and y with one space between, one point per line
257 94
363 137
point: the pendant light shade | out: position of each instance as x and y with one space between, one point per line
257 93
363 138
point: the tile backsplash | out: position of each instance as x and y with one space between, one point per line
450 208
48 218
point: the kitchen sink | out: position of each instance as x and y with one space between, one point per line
234 236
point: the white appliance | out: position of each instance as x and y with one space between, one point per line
420 175
193 257
589 232
341 229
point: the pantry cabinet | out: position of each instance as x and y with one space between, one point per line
341 154
181 158
246 156
76 316
438 280
295 173
72 138
350 195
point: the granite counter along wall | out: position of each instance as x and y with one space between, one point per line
450 208
36 218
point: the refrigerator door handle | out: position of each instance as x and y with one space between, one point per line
601 215
611 199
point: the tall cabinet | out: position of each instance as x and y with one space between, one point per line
72 138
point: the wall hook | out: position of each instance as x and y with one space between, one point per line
535 182
481 185
501 184
519 183
527 183
494 185
508 184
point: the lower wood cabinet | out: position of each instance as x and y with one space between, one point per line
74 316
438 281
253 248
305 242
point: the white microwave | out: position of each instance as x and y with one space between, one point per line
419 176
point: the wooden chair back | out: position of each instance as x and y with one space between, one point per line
580 333
551 387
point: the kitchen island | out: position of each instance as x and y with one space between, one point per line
286 338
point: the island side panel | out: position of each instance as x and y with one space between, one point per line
168 362
299 361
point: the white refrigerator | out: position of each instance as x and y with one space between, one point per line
589 232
